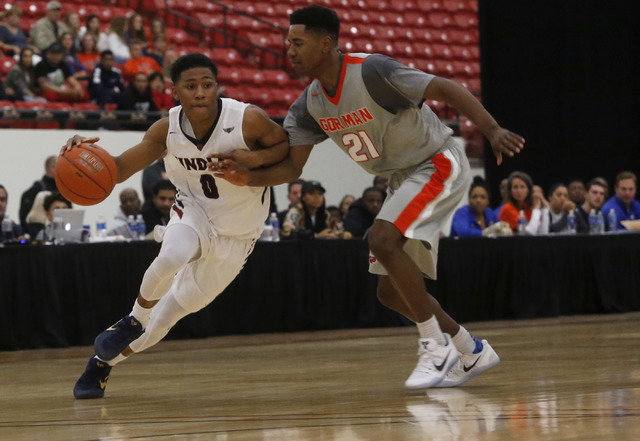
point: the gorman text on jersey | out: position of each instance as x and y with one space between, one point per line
352 119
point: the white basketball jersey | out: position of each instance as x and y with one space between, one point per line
232 210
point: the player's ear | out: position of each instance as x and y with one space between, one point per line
174 91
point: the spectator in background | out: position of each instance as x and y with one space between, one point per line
51 203
92 27
161 93
294 192
345 203
106 85
21 78
158 27
520 199
12 37
72 61
54 79
164 195
363 212
49 28
88 53
135 30
137 97
576 192
158 49
623 202
309 218
473 219
16 230
72 20
504 195
138 63
559 207
129 206
115 41
539 222
593 200
381 182
169 58
36 217
47 182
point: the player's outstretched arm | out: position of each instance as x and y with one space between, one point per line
147 151
267 140
284 171
502 140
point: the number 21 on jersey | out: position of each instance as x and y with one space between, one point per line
360 146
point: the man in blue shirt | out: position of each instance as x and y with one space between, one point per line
623 202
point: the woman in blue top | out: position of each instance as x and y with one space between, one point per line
471 219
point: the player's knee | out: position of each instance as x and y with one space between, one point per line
383 243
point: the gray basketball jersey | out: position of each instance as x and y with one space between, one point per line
376 116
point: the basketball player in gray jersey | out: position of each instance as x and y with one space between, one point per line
372 107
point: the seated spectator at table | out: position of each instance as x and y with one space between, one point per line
362 213
559 207
54 79
309 218
345 203
135 30
47 182
161 92
72 20
623 202
473 219
539 222
138 63
593 200
520 198
51 203
137 97
49 28
151 175
129 206
16 230
106 85
164 195
294 192
576 192
12 37
71 59
504 195
88 53
36 218
115 41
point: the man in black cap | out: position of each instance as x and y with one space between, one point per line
49 28
54 77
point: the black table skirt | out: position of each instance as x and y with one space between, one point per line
60 296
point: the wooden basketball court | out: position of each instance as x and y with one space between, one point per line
559 379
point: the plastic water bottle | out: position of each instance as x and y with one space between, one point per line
571 222
613 220
131 223
275 225
141 227
7 228
101 227
522 222
600 219
593 222
58 231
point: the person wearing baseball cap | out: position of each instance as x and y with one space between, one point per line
49 28
309 218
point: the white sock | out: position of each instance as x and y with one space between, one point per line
431 329
463 341
141 314
113 362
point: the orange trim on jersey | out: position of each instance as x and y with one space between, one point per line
428 194
348 59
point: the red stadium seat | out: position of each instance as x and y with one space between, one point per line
6 105
440 19
6 63
466 20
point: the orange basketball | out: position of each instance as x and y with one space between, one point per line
86 174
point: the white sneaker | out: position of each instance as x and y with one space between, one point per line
470 365
434 362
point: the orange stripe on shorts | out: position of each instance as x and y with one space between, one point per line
429 192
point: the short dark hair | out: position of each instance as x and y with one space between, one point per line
106 52
292 183
190 61
554 187
626 175
374 190
478 181
164 184
598 181
318 20
155 74
54 197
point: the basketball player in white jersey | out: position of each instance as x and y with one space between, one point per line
373 108
214 224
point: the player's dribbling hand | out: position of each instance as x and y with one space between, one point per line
75 140
505 141
228 169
